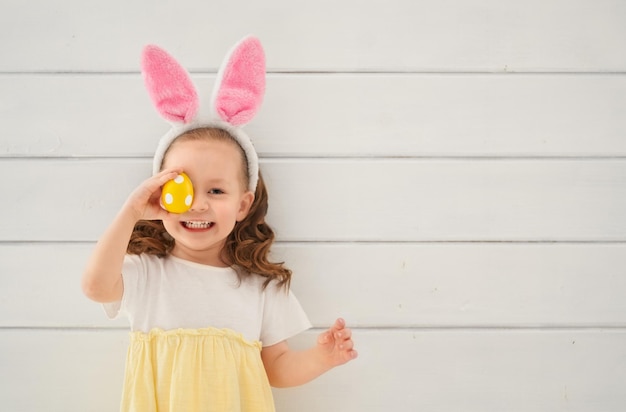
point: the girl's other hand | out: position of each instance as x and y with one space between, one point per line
336 344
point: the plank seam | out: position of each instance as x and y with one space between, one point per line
339 158
429 72
621 242
446 328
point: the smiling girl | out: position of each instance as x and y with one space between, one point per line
209 312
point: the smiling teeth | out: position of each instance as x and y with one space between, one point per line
197 225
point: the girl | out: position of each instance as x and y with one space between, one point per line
209 313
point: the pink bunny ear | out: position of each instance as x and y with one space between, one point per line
241 83
169 85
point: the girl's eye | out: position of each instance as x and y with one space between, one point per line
216 191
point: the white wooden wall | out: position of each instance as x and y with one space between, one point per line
449 176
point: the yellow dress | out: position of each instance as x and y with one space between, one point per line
196 336
201 370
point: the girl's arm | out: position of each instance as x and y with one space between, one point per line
286 368
102 278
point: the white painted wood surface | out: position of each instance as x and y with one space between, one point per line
402 370
346 35
447 175
326 115
374 285
352 199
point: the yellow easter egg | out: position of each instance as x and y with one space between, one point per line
177 194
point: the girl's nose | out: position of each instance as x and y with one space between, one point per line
200 203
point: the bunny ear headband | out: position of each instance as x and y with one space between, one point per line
236 98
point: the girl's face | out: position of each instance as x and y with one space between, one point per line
220 198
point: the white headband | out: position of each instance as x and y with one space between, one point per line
236 97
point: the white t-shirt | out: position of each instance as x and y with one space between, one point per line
173 293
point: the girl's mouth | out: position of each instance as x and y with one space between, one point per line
197 225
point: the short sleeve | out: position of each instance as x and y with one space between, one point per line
283 316
131 269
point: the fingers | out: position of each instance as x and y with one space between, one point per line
343 340
156 183
338 325
152 185
325 337
349 355
340 337
334 332
165 176
144 200
343 335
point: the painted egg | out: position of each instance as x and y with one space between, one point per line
177 194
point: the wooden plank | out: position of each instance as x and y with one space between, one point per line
368 115
56 370
427 35
419 370
350 200
474 371
371 285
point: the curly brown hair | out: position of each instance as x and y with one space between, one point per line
247 247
